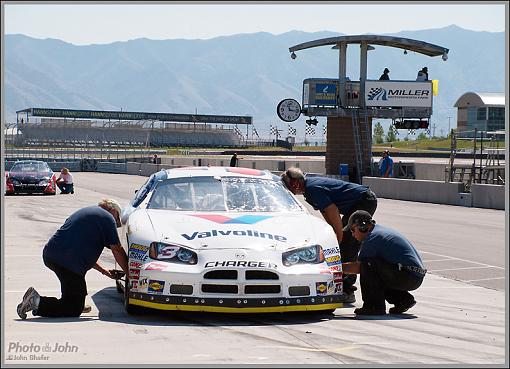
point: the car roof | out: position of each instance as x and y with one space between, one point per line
218 172
28 161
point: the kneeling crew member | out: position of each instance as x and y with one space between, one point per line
388 264
71 252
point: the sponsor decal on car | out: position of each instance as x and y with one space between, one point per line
138 248
321 288
133 284
156 286
338 287
247 233
333 260
134 274
331 288
135 264
243 219
138 252
332 251
155 266
247 171
143 281
240 263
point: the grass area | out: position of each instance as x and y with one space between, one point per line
435 144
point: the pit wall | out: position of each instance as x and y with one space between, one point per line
420 190
438 192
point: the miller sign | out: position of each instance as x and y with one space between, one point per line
398 93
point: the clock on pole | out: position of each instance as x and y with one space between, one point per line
288 110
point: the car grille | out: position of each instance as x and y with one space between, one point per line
262 289
299 291
219 288
221 274
261 274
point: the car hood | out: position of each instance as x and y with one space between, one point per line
234 230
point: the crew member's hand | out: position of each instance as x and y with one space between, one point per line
116 274
108 273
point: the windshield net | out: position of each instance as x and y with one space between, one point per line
229 193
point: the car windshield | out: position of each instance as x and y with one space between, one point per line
30 167
222 194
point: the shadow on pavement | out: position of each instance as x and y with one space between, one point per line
110 304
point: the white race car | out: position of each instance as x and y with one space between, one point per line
227 239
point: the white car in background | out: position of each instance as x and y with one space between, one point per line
227 239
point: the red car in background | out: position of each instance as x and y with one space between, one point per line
30 176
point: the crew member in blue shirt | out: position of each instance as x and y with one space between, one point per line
388 264
386 165
336 200
71 252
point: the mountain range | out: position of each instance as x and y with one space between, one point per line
243 74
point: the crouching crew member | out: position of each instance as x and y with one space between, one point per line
388 264
336 200
71 252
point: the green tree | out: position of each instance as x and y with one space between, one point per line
422 136
392 134
378 133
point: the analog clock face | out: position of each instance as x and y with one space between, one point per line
288 110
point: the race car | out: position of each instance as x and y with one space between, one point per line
30 176
226 239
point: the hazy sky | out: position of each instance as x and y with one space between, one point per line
83 24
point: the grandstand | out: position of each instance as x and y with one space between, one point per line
62 127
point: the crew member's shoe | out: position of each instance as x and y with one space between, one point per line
368 310
402 307
87 309
30 302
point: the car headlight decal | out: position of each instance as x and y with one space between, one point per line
172 253
305 255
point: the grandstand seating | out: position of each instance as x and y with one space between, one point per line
128 134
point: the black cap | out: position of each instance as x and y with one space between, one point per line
360 218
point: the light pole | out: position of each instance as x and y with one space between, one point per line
448 126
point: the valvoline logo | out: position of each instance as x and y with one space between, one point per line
244 219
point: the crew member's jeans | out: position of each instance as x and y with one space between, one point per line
382 281
349 247
74 290
65 187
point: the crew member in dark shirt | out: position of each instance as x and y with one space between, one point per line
336 200
388 264
71 252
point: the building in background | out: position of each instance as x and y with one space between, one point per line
480 111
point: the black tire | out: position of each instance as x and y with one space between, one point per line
327 312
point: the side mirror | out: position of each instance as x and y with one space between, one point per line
136 191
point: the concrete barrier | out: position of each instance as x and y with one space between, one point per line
488 196
416 190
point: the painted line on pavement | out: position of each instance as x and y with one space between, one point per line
484 279
467 261
445 270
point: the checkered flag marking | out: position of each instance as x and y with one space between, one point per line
292 131
310 130
255 132
324 128
274 131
